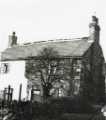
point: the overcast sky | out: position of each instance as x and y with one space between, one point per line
35 20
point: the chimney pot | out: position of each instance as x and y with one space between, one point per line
94 19
12 40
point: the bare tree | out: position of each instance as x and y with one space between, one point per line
52 71
47 68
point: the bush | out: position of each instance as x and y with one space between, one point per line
53 110
82 117
75 116
72 105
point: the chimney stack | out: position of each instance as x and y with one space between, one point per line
12 40
94 30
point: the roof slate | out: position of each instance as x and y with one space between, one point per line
71 48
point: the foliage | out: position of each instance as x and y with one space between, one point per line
56 109
74 116
74 104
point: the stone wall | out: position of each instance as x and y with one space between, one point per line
97 70
84 75
93 77
70 70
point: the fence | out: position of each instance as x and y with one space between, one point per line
6 96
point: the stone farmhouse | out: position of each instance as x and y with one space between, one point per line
82 57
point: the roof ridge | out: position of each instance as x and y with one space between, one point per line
55 40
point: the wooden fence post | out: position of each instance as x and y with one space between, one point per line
20 92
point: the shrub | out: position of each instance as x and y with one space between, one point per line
53 110
72 105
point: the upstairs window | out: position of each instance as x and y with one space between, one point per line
4 68
77 67
76 72
77 62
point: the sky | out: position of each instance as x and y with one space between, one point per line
35 20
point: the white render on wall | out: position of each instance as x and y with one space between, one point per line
14 77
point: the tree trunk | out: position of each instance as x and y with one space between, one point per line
46 92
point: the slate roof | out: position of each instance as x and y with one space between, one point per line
69 47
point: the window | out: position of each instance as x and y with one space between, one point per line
76 86
77 62
77 68
77 71
60 88
60 92
4 68
77 77
36 91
